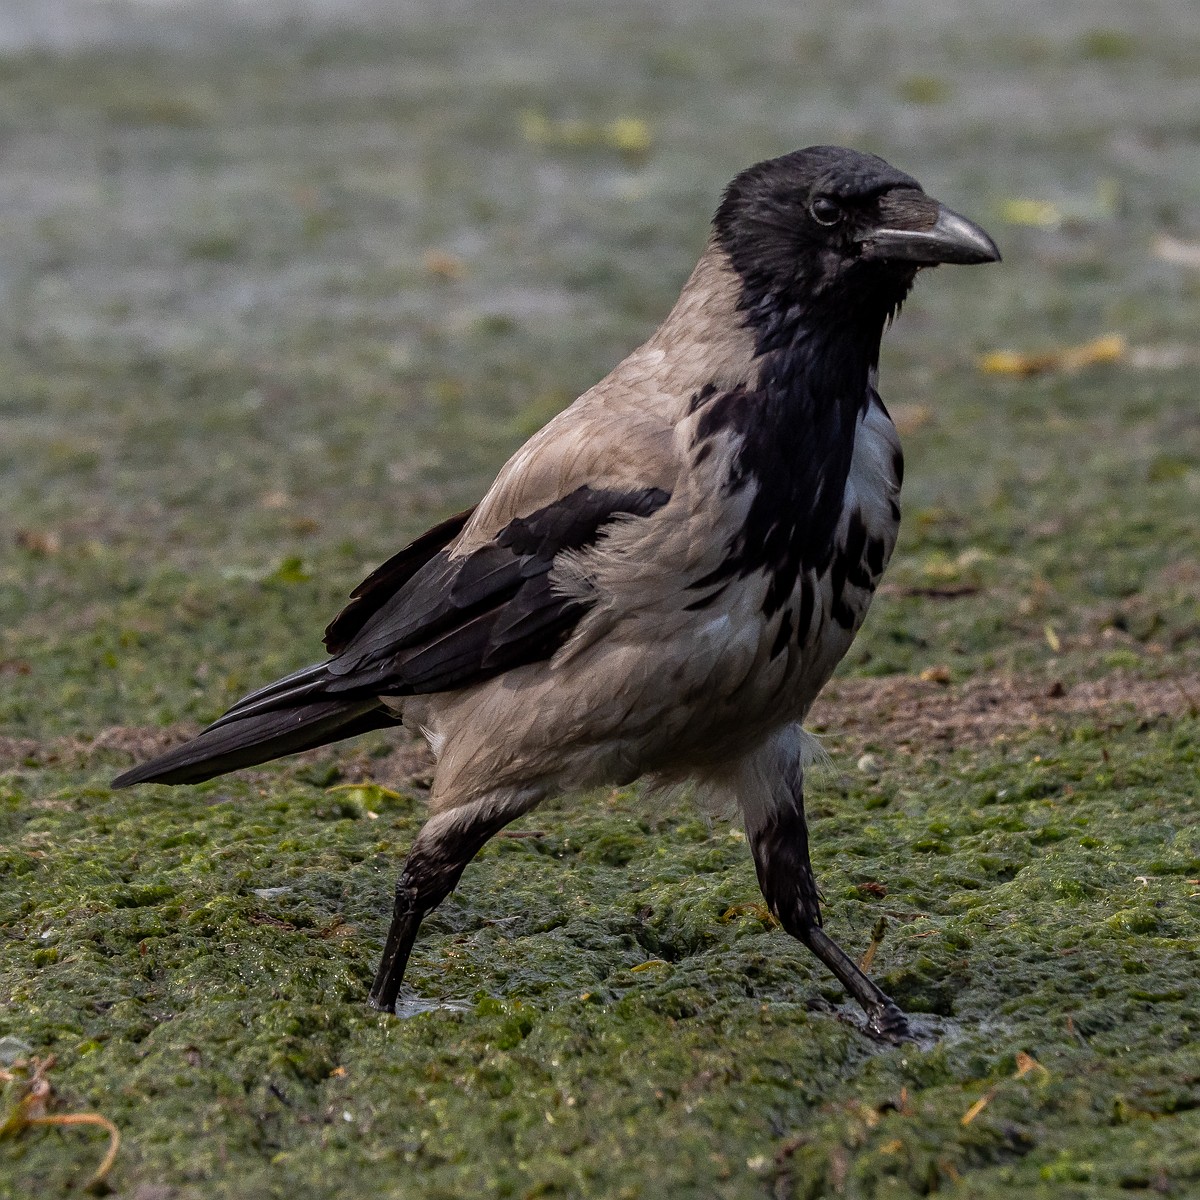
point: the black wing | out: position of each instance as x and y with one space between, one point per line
423 622
386 580
456 621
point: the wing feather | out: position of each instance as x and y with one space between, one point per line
387 579
459 620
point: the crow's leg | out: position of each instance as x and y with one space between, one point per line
770 787
438 857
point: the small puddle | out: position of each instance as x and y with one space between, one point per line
928 1029
412 1006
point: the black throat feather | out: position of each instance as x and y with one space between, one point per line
795 429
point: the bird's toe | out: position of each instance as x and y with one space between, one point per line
889 1024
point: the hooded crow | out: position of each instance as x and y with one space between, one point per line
661 580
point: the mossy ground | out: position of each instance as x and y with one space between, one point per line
276 300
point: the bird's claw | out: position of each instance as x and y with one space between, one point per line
889 1024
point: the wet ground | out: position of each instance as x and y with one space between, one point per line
280 288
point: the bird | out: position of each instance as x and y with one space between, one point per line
660 581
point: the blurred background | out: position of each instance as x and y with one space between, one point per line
282 282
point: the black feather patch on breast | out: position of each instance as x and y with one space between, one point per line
795 436
457 621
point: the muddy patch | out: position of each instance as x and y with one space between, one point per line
907 710
901 710
404 760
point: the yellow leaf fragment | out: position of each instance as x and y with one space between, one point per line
366 791
1103 204
1110 348
976 1108
1007 362
629 135
1052 639
1021 210
748 910
650 962
1027 1063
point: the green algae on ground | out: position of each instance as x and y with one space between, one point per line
198 961
233 382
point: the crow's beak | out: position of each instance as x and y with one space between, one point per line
945 237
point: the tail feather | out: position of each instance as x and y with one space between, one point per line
234 742
308 682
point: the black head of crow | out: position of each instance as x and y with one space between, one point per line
835 234
661 580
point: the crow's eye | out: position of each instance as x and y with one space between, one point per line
826 211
